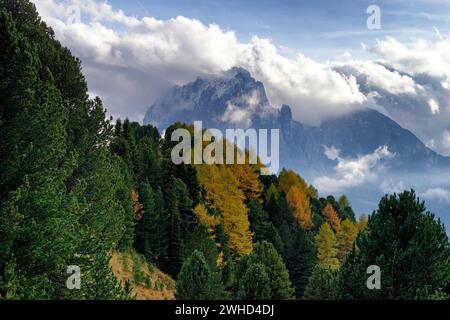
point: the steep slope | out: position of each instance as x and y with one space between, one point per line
147 282
354 135
220 101
235 99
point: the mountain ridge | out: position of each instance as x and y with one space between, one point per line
236 100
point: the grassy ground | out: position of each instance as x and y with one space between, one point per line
147 281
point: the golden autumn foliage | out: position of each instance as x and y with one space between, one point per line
223 191
362 223
332 217
205 218
298 203
248 180
327 248
343 202
288 178
137 207
345 238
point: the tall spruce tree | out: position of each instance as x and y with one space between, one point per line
265 254
61 190
300 260
148 229
255 284
409 245
321 285
196 281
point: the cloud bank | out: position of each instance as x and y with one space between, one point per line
130 62
438 194
351 172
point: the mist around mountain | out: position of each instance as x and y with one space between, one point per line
365 154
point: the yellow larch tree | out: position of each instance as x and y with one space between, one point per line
223 192
345 238
362 223
298 203
326 248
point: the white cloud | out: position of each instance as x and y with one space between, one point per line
242 117
438 194
131 63
419 102
237 116
391 186
351 172
332 152
434 107
416 58
377 75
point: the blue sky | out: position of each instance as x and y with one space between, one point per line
321 29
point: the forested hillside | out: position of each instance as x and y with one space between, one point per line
76 187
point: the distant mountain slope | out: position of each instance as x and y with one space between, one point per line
219 101
357 134
235 99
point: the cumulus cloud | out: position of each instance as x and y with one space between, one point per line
132 61
351 172
377 75
416 58
437 194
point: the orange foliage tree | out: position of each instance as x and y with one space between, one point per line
332 217
299 204
288 178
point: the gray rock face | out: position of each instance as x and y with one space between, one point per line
222 101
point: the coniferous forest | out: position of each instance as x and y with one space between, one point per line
77 189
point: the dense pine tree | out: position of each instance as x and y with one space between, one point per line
255 284
61 191
148 229
196 281
407 243
265 254
321 285
300 260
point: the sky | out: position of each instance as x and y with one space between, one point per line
307 26
321 28
319 56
